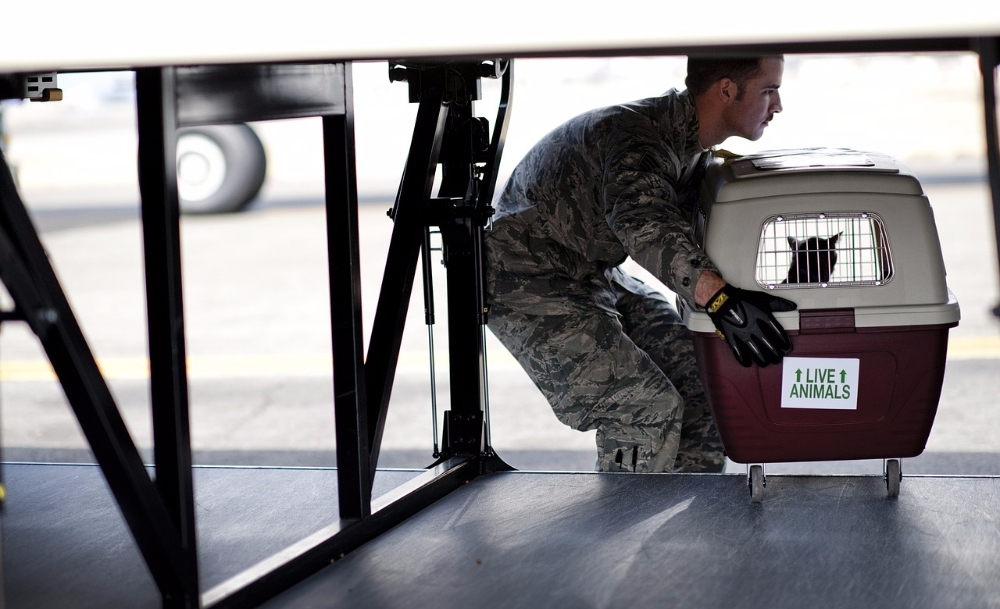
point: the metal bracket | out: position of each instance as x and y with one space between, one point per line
462 78
42 87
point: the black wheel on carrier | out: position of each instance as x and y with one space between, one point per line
756 483
220 168
893 476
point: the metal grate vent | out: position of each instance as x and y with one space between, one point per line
823 250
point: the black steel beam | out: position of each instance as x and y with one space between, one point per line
401 262
459 234
989 58
319 550
344 255
3 500
160 213
210 95
32 283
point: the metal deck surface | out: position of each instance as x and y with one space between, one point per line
65 543
537 540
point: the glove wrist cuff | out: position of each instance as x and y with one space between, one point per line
717 300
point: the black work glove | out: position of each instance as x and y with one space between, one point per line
743 319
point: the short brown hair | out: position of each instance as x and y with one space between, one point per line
703 72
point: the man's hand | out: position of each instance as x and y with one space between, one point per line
743 319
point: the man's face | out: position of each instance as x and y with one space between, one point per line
753 110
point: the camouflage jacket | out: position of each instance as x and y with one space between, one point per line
613 182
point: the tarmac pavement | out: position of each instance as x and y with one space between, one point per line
258 339
258 328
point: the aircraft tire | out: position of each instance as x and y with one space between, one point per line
220 168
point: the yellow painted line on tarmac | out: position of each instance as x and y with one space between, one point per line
320 365
974 347
212 366
201 366
25 370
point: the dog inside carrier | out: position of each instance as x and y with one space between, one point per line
849 237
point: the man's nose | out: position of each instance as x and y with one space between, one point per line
776 105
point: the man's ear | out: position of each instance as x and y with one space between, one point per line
727 90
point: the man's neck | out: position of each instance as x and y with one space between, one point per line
708 123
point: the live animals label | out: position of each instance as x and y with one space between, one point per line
820 382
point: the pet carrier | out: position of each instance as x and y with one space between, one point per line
849 237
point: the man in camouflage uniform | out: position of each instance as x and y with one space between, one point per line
608 352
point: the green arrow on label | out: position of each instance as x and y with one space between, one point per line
798 376
843 376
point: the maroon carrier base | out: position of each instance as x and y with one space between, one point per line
901 373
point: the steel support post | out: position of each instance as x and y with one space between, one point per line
3 495
156 118
466 140
469 164
350 401
989 59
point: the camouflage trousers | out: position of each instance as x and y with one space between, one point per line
629 374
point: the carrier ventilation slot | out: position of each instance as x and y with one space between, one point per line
823 250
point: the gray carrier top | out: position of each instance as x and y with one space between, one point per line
827 229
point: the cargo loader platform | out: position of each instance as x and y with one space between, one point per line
525 539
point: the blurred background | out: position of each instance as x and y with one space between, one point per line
256 297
